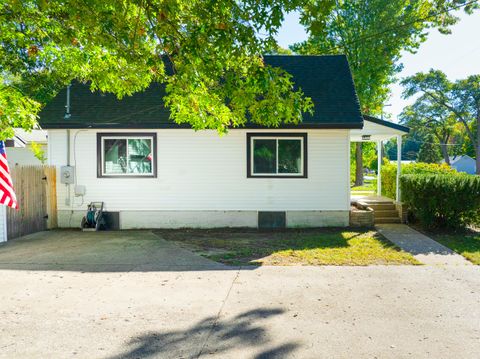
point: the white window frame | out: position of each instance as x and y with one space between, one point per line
129 137
277 139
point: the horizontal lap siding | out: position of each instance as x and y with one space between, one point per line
202 171
3 222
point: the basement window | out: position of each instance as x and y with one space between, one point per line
277 155
126 154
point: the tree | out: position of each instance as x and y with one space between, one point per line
429 152
207 53
373 34
433 121
461 98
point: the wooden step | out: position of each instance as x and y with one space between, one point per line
385 213
387 220
382 207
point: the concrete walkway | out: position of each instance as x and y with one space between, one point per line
425 249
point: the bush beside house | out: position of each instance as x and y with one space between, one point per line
442 199
389 174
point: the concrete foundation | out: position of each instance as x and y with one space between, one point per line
305 219
209 219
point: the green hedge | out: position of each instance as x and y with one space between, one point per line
389 174
445 200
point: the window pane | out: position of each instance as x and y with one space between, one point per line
264 156
115 156
140 156
289 156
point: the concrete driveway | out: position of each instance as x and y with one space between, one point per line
130 294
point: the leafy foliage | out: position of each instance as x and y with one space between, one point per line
429 151
389 174
38 152
207 53
446 200
373 33
435 123
457 101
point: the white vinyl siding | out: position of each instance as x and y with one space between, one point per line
205 171
3 223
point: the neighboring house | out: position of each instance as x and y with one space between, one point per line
463 163
19 149
155 173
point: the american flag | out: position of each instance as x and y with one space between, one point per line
7 194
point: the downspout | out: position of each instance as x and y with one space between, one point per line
66 117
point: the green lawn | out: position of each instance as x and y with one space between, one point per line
290 247
369 185
466 244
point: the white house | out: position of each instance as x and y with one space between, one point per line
463 163
153 173
20 147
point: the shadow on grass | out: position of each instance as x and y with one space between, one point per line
220 337
340 246
186 250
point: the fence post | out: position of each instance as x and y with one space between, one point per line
51 194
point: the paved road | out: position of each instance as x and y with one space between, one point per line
131 295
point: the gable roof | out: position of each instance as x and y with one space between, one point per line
326 79
457 158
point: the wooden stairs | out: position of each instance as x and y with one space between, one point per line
384 210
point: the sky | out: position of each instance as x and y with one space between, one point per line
457 54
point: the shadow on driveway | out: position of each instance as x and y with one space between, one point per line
109 251
241 334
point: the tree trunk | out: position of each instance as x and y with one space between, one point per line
443 148
358 164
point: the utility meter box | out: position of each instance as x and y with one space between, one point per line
67 174
80 191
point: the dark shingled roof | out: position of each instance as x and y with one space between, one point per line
326 79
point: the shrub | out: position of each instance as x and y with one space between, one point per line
389 174
442 200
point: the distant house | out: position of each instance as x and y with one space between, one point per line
463 163
19 148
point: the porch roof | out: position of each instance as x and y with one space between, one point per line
375 129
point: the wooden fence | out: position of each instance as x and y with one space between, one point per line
35 187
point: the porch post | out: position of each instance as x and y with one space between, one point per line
379 166
399 166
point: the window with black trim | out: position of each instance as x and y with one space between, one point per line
277 155
126 154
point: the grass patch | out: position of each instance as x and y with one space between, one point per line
369 185
362 189
290 247
465 243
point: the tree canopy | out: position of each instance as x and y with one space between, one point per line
207 53
373 34
458 100
433 122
